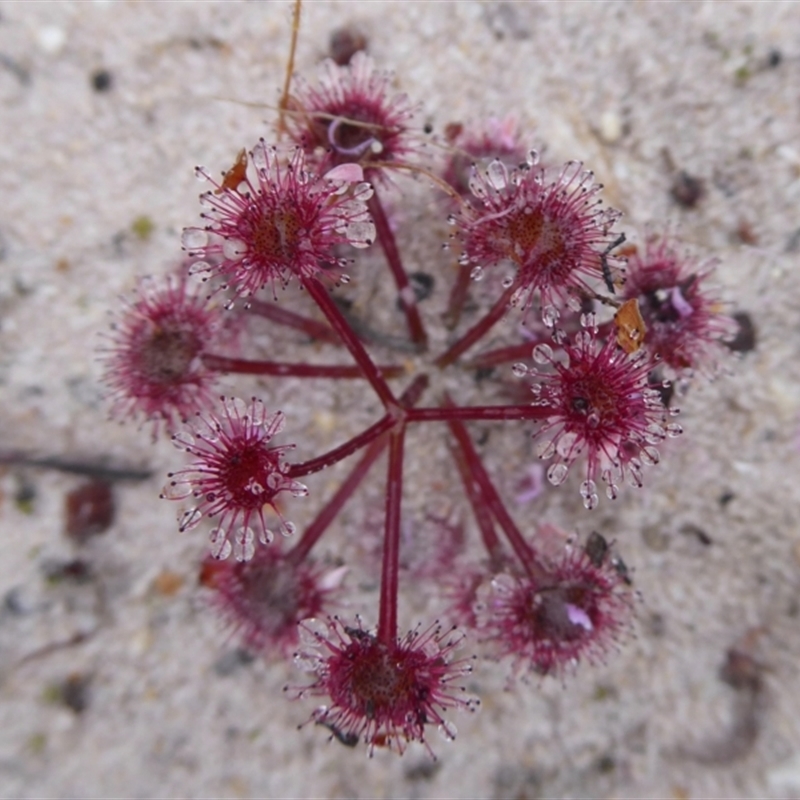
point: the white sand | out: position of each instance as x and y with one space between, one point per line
78 167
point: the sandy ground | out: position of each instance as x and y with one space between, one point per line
638 91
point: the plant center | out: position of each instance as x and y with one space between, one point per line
246 475
276 236
167 355
379 678
534 237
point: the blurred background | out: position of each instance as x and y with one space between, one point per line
114 678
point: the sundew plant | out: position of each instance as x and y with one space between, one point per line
537 326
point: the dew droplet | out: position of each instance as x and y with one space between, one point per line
258 413
218 543
476 273
673 430
199 268
543 354
244 544
591 502
448 730
546 450
344 279
503 584
497 174
288 528
266 536
508 281
233 248
589 320
305 662
259 156
565 446
313 631
654 434
574 303
519 370
176 490
236 407
635 476
650 456
451 219
557 473
194 238
189 520
298 489
550 316
361 234
612 491
532 158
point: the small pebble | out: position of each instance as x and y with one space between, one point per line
784 779
88 511
421 286
167 583
610 127
656 538
25 496
20 601
51 39
233 660
344 43
140 642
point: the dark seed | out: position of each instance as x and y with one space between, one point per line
422 283
73 571
745 339
102 80
596 549
686 190
345 43
690 529
774 58
73 692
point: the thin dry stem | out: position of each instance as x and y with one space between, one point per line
281 127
